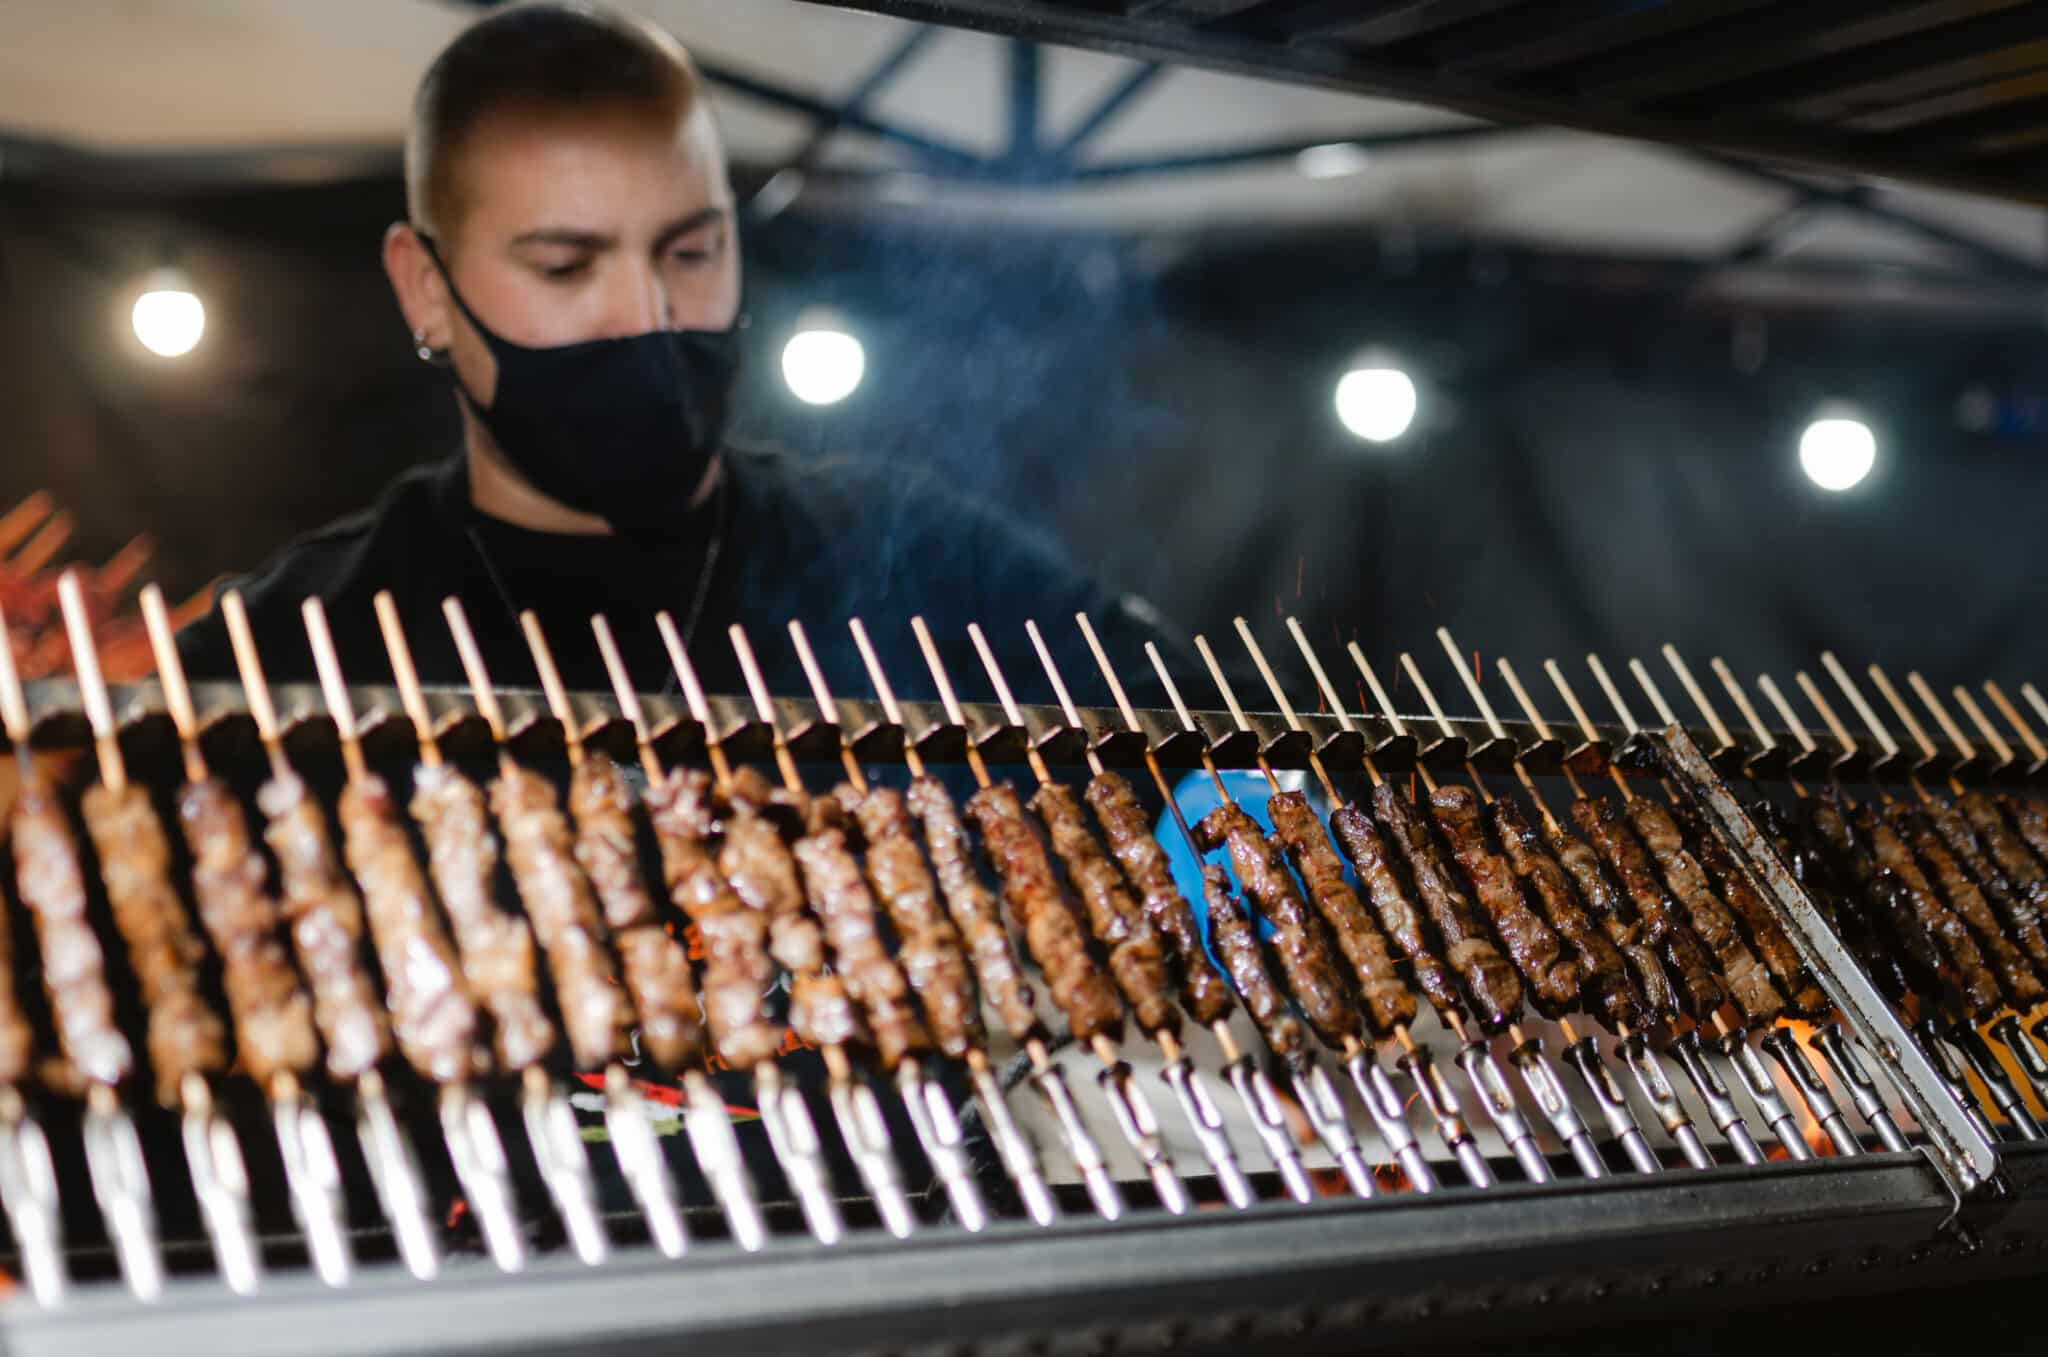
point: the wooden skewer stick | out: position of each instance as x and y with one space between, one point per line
2016 721
92 687
410 694
303 1138
402 1190
1999 748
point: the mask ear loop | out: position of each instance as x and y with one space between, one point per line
442 358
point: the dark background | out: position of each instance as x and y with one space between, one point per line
1606 457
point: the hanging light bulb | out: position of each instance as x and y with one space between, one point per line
1376 402
168 316
1837 452
822 363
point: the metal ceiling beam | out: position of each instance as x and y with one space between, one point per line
934 155
1027 106
1859 199
1109 108
1258 153
870 87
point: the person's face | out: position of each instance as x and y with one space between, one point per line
568 227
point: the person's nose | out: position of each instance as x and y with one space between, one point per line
639 303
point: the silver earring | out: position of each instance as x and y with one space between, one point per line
427 352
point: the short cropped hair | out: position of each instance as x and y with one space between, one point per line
545 56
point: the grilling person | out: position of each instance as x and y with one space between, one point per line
571 258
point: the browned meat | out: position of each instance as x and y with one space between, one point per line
823 1013
1312 974
928 946
1748 981
272 1013
74 970
495 947
1052 930
1396 912
1840 903
1648 979
840 895
2031 815
596 1012
432 1014
974 909
164 951
655 966
757 864
17 1036
1388 1003
1552 979
1137 958
1804 996
738 972
327 927
1237 942
1604 975
1699 991
1965 966
2016 883
1492 985
2007 963
1204 993
1895 930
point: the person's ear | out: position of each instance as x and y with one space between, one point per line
421 290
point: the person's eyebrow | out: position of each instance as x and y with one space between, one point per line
701 218
565 235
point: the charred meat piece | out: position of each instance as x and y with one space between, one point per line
1840 903
656 968
738 972
74 968
1388 1003
2016 884
1137 958
1804 996
1699 990
1312 974
928 946
1897 933
974 909
757 864
1748 981
1237 942
840 896
1618 920
1390 903
327 927
184 1036
1552 980
272 1014
495 947
596 1012
1052 931
1492 985
1204 993
2008 965
432 1015
2031 815
1935 921
1603 975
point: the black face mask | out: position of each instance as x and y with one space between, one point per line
621 428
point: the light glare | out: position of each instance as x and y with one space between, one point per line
823 367
1376 404
1332 160
1836 454
169 321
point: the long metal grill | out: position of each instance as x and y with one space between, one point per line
1765 951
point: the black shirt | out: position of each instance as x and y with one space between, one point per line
820 543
